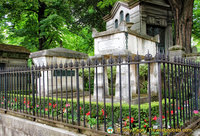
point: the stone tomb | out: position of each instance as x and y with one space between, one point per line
57 56
127 33
12 55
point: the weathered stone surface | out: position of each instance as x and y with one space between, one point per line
12 55
47 81
59 52
13 126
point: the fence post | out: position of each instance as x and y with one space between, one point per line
33 90
159 58
195 86
5 90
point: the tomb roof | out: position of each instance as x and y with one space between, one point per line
59 52
13 48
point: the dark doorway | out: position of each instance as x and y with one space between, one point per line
153 30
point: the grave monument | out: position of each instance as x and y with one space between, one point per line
137 27
57 56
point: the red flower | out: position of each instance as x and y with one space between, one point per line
167 111
163 117
102 111
46 109
24 102
88 113
125 123
145 120
54 105
132 119
178 108
80 107
15 99
172 112
181 108
64 109
50 104
145 126
155 118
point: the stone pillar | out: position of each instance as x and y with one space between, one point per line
100 84
124 82
154 78
168 37
133 72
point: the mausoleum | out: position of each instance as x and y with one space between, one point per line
138 27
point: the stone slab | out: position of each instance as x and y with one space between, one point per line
14 126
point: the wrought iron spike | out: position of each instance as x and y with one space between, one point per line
65 65
129 58
148 56
61 65
47 66
76 63
71 64
111 60
137 58
89 62
103 61
56 65
119 59
96 62
82 63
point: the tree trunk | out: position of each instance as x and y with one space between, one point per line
42 7
182 12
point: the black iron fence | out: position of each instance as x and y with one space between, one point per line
120 95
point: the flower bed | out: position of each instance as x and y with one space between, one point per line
52 108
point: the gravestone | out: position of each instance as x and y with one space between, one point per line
58 56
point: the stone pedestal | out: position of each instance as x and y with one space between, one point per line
176 51
100 83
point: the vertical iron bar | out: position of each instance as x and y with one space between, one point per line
66 92
179 87
169 94
165 94
48 88
33 90
97 106
61 85
138 86
83 96
90 92
129 94
78 97
120 92
112 93
104 99
43 68
195 87
56 105
160 96
72 99
176 89
149 97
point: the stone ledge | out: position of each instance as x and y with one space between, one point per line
9 125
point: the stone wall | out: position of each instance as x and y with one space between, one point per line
14 126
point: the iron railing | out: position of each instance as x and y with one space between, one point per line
126 95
